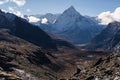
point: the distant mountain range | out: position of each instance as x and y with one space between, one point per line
49 16
72 26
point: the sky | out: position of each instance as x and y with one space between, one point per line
106 10
85 7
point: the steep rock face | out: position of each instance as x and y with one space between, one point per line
74 27
67 19
108 38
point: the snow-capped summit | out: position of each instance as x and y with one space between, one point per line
71 11
72 26
67 19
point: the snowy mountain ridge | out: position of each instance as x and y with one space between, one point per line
70 25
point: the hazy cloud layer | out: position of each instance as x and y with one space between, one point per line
18 2
3 1
28 10
108 17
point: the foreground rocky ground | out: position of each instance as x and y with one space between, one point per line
104 69
21 60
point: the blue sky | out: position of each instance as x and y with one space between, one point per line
85 7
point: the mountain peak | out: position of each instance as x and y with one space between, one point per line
71 11
67 19
71 8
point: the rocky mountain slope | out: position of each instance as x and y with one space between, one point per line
107 68
108 39
16 53
104 69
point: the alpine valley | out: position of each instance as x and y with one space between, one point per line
67 46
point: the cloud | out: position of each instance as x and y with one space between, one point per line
16 12
19 2
28 10
3 1
10 8
33 19
108 17
44 21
